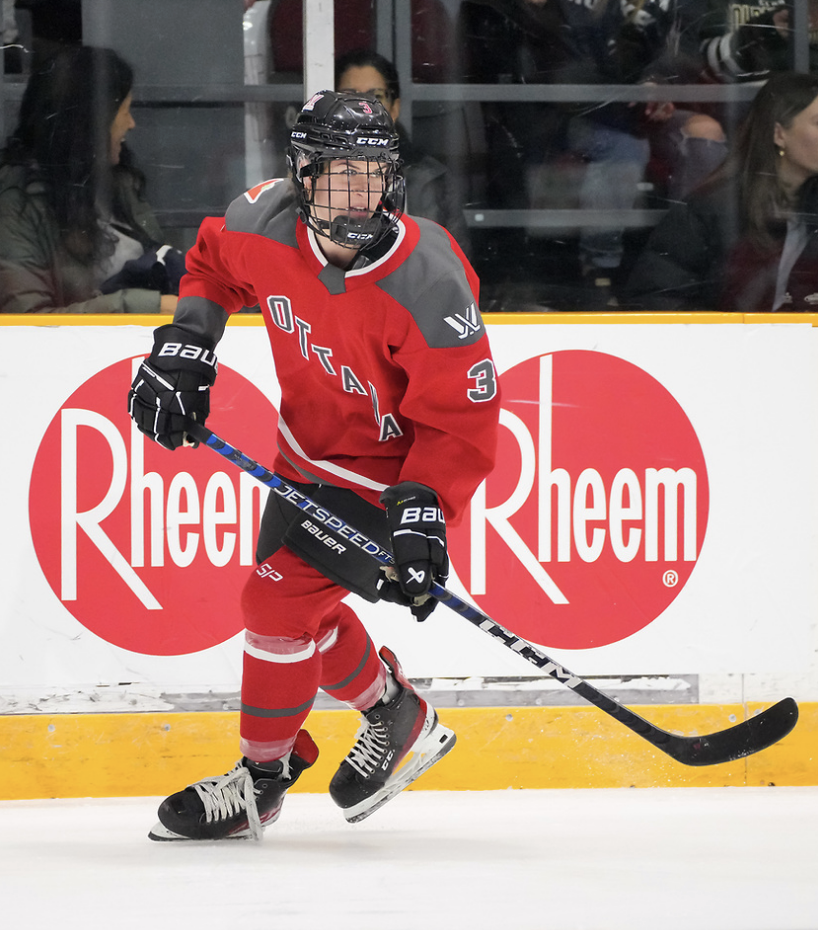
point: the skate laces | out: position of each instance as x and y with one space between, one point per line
368 752
229 795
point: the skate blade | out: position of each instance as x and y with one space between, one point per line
434 747
161 834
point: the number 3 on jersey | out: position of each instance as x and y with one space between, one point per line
485 381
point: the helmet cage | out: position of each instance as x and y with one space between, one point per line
348 128
332 218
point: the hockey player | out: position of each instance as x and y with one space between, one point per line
388 417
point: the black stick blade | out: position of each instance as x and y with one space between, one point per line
742 740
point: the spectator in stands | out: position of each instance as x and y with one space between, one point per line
747 240
430 189
603 42
76 234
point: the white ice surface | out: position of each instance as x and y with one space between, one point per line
657 859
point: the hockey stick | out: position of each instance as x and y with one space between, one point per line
741 740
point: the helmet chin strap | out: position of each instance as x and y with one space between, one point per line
346 232
341 230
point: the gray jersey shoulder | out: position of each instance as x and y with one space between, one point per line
267 210
433 287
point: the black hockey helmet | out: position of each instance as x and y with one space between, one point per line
354 127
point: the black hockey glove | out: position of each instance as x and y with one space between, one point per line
418 532
173 384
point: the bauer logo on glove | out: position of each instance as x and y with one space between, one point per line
186 350
173 385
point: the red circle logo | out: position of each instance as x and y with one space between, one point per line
594 516
148 548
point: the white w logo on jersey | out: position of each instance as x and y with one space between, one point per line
466 323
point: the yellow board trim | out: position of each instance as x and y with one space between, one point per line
630 318
514 319
136 755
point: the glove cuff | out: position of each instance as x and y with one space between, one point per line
407 491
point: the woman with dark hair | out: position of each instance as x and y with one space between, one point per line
76 234
747 240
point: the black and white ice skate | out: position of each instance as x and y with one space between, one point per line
397 742
236 805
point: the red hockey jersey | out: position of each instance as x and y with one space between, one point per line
386 373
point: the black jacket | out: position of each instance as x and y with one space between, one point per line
699 258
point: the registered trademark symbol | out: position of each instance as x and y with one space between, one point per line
670 579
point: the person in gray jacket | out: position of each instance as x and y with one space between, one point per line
76 234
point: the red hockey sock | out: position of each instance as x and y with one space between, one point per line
283 603
351 670
300 635
279 685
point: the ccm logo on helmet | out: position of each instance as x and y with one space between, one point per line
371 140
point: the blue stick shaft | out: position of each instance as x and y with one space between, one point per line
733 743
384 556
